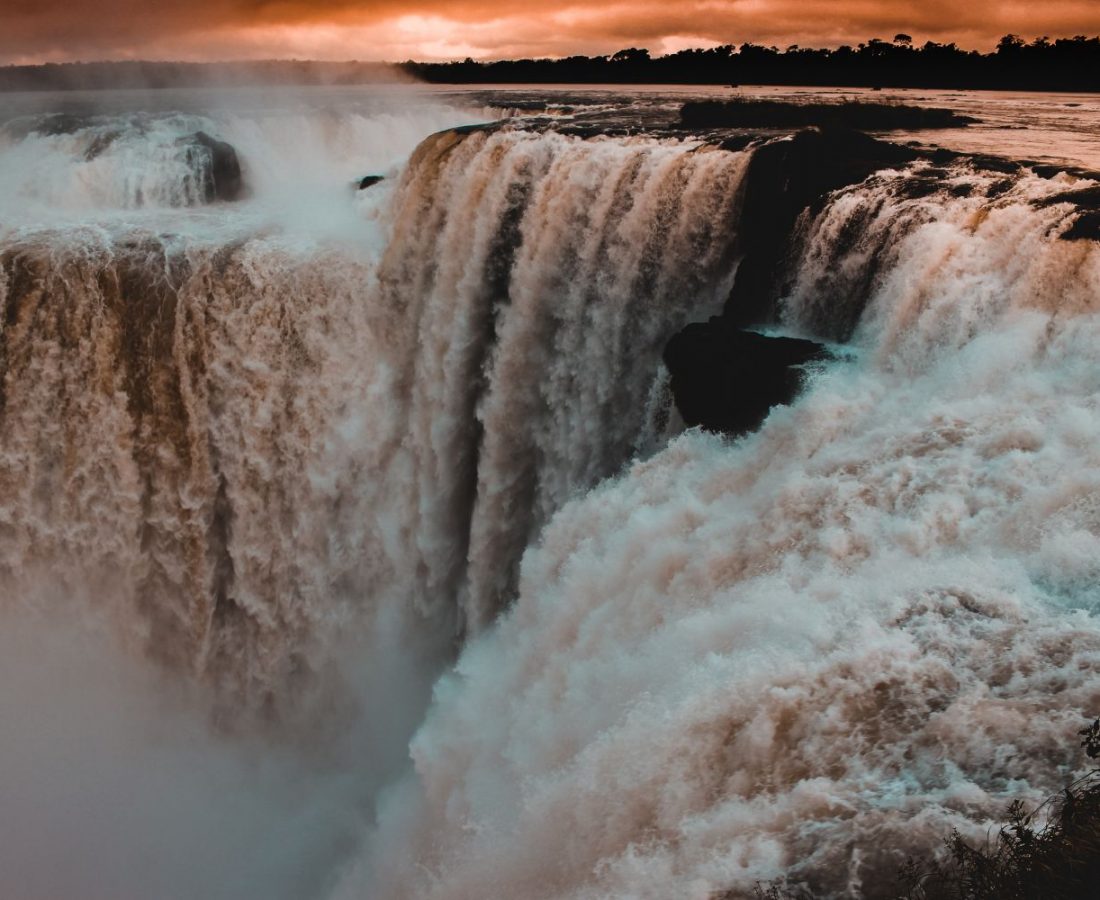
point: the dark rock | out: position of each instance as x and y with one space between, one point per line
1053 170
100 144
990 163
1083 198
369 181
726 380
61 123
783 114
725 377
738 142
474 129
219 164
922 184
1086 227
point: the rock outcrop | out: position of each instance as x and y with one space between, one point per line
727 380
219 164
368 181
724 377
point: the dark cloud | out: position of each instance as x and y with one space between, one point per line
204 29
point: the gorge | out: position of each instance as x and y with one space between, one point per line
383 523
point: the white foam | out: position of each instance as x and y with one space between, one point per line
813 651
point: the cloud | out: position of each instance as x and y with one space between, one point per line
399 29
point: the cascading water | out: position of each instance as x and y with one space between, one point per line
266 438
311 446
817 649
535 331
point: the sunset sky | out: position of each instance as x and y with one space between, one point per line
52 30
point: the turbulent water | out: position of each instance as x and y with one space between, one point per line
297 487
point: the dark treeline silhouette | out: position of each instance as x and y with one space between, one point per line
1067 64
1071 64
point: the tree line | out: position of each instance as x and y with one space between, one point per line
1066 64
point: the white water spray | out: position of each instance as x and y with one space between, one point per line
298 447
818 649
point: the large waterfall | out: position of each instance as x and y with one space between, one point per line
302 460
816 649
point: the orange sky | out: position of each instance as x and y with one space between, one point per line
53 30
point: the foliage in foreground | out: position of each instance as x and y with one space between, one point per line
1051 853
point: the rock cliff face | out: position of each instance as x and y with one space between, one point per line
723 377
785 178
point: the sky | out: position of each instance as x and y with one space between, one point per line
34 31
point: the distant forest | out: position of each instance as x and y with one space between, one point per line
1066 64
1069 64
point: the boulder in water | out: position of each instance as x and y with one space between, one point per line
369 181
221 169
726 379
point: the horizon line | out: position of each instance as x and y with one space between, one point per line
485 60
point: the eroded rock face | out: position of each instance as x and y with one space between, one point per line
725 378
785 178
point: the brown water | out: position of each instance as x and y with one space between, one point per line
350 544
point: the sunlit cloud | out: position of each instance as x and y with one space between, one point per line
438 29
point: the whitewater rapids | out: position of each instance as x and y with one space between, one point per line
813 651
396 473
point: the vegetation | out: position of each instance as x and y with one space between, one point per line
1051 853
1070 64
1066 64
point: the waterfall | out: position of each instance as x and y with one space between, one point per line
249 444
363 475
536 331
818 649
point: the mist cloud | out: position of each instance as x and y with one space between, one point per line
426 29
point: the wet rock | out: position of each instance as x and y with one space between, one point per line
1086 227
1053 170
738 142
100 144
368 181
783 114
219 164
61 123
726 380
990 163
